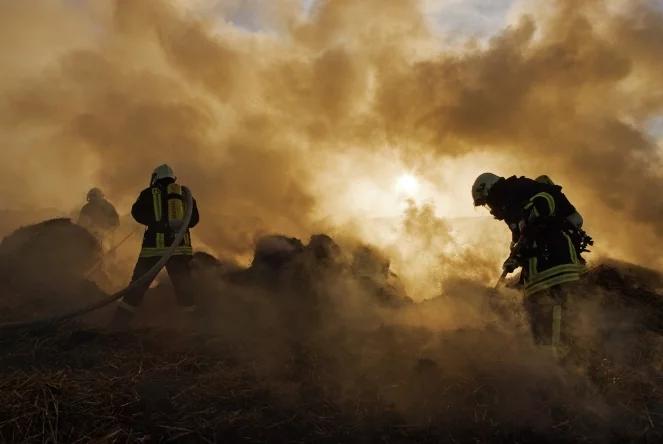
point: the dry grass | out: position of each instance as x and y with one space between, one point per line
383 384
149 386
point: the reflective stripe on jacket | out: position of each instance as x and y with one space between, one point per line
149 210
550 258
555 260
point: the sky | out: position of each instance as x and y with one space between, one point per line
456 22
459 19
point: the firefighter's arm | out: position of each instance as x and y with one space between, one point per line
114 217
539 207
84 216
515 258
142 210
515 233
538 210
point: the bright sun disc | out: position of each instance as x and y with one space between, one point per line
407 184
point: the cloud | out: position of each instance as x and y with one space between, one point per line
261 125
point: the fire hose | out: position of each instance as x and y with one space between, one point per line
144 279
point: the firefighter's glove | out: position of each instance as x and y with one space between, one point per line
511 264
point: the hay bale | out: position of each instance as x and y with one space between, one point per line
274 251
46 256
372 271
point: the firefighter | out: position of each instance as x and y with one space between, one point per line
161 208
541 219
99 216
574 220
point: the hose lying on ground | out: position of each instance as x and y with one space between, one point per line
147 277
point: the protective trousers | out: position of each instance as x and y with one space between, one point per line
180 275
549 318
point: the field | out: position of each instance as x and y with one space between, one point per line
299 349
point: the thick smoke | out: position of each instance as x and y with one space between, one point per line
299 123
275 118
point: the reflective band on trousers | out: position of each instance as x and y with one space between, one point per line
160 241
556 325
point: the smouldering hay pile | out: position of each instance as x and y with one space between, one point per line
76 385
42 269
297 349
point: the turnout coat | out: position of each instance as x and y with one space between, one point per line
536 214
155 207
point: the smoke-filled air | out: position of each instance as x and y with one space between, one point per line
340 277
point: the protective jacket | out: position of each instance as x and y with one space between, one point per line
537 215
99 214
156 207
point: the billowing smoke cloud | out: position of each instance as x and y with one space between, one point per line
353 119
282 121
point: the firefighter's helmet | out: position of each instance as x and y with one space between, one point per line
162 172
482 186
94 194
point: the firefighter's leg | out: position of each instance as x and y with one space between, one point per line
128 305
546 312
539 311
559 315
179 270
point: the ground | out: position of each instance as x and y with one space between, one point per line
156 385
299 348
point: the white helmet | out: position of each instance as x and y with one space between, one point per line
162 172
482 186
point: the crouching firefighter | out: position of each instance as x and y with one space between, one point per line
547 242
161 208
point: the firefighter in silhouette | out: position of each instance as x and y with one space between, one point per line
547 242
99 216
574 221
161 208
